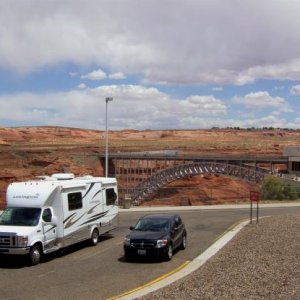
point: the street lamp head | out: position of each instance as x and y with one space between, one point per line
109 99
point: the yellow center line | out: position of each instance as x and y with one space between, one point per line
151 282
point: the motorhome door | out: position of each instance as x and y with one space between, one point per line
49 229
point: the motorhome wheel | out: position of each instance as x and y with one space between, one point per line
94 237
35 255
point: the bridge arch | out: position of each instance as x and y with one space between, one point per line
150 186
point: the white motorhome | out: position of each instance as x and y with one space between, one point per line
53 212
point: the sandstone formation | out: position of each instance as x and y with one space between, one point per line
33 151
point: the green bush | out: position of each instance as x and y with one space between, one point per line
273 189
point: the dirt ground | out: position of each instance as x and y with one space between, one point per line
31 151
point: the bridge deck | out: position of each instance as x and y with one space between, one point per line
199 158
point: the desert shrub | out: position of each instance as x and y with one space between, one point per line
274 189
166 134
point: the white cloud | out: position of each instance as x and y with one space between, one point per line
72 74
82 86
267 121
118 76
223 42
133 106
217 89
203 105
95 75
261 100
137 107
295 90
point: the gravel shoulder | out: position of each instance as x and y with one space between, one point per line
261 262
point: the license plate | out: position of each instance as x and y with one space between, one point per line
141 252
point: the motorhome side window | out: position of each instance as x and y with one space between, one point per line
74 201
110 197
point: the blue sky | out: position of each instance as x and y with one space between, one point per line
168 64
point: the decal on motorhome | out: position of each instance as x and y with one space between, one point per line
89 189
69 221
96 217
51 228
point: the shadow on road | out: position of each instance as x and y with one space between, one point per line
22 261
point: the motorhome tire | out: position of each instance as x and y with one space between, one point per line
35 255
94 237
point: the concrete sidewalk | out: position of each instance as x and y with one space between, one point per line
209 207
206 207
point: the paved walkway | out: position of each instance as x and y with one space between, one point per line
209 207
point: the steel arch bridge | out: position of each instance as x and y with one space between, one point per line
150 186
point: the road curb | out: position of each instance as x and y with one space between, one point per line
186 270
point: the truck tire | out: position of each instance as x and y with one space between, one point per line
94 237
35 255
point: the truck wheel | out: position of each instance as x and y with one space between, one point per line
94 237
35 255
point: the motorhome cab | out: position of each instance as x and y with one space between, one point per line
56 211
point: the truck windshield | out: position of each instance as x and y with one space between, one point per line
20 216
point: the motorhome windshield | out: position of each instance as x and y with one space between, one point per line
20 216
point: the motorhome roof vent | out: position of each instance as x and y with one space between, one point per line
63 176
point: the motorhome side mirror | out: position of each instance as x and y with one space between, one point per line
131 227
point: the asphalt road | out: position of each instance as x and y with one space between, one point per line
100 272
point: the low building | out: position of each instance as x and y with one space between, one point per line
293 154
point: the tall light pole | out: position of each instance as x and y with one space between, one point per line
107 99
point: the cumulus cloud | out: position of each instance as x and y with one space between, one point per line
118 76
82 86
261 100
295 90
267 121
223 42
95 75
138 107
133 106
72 74
204 105
217 89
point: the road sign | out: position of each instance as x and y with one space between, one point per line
254 196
